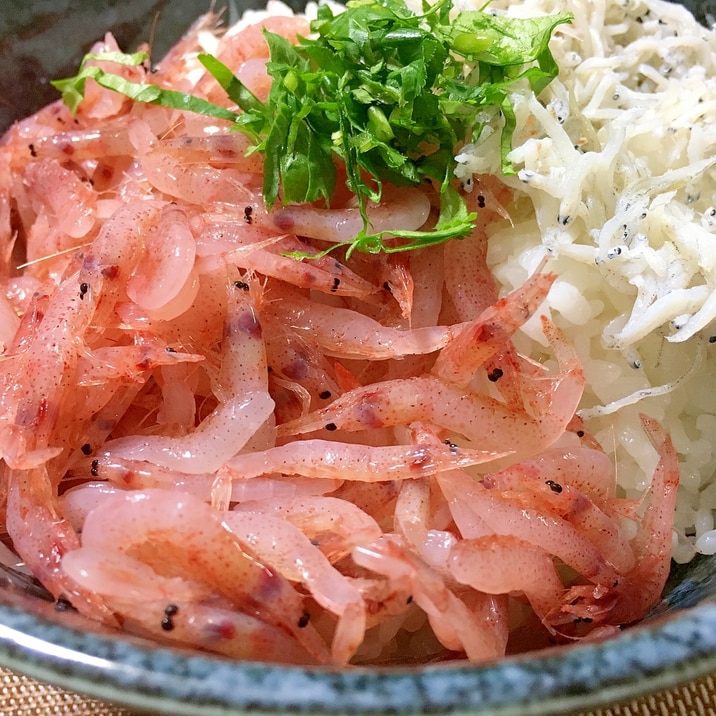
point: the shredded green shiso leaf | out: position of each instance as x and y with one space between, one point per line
390 93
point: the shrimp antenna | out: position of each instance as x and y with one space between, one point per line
152 35
54 255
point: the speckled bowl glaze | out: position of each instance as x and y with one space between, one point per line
41 39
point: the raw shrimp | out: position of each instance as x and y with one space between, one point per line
333 459
395 277
484 421
246 42
335 526
31 500
568 503
114 256
413 516
287 550
82 144
202 170
345 333
498 513
317 273
61 198
219 437
500 564
479 631
179 611
589 470
481 339
468 280
34 378
140 474
178 535
407 210
629 597
167 266
126 363
245 404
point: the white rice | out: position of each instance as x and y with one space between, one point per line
616 179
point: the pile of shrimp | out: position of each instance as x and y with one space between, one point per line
213 445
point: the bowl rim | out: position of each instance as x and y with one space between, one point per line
652 656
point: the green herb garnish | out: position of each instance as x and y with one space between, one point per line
390 93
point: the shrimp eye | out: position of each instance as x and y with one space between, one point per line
94 468
241 285
494 375
303 621
451 445
63 605
84 287
554 486
324 394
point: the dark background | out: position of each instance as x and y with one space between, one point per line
42 40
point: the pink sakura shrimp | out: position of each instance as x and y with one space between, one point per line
331 459
407 210
478 630
177 535
346 333
483 420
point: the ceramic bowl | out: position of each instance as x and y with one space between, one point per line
43 39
